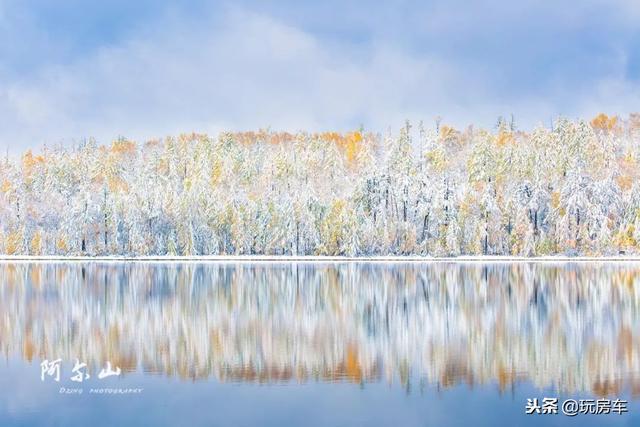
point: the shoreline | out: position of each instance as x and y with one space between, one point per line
5 259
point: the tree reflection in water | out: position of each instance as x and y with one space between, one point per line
574 327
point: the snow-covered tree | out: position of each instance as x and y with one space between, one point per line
441 191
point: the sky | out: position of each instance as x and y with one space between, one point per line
72 69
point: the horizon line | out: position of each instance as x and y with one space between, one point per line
273 259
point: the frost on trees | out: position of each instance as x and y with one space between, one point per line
572 189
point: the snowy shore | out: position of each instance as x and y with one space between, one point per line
317 259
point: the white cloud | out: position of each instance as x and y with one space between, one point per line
251 72
244 71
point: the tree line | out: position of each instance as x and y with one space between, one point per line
571 188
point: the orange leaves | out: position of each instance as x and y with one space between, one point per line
334 137
27 161
628 168
352 367
117 153
185 138
604 123
449 135
123 147
624 182
280 138
447 132
152 144
350 143
13 243
61 245
30 162
35 247
274 138
6 186
504 138
117 184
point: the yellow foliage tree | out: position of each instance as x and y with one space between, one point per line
331 229
35 248
61 245
13 245
352 145
604 123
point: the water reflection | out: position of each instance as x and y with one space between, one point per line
571 327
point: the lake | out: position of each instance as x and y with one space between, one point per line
317 344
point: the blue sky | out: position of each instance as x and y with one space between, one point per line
143 69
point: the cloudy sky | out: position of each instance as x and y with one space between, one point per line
147 68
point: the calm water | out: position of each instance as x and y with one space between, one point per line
317 344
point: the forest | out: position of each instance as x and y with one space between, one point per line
570 188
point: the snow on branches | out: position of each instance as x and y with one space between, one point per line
573 189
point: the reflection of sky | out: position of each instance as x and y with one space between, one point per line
148 68
25 401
